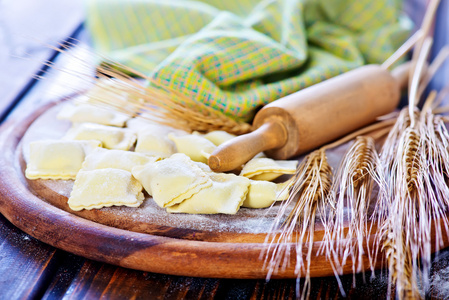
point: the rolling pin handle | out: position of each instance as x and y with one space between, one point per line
239 150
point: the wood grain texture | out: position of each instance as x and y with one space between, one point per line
92 240
27 28
147 252
331 109
182 254
76 278
25 263
67 269
96 280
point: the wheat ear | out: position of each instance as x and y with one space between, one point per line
405 216
415 182
386 167
415 205
138 95
312 182
436 159
170 106
352 187
391 252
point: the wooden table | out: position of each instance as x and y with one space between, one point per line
32 269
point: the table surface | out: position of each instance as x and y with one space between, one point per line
32 269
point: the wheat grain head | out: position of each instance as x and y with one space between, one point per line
352 186
138 95
308 194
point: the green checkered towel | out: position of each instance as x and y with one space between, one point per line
237 55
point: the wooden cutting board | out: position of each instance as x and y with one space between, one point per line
145 238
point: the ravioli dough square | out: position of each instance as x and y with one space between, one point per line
102 158
217 137
154 144
225 196
262 168
111 137
194 146
104 188
263 194
57 159
82 113
170 181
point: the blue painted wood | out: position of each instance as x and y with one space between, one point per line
441 40
27 29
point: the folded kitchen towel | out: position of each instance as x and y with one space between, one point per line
236 55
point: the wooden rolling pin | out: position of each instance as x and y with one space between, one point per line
315 116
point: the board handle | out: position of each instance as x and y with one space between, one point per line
236 152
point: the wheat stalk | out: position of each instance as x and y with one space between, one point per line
407 46
438 61
440 97
436 159
138 95
407 190
352 188
414 200
309 195
403 159
425 27
391 254
167 105
312 182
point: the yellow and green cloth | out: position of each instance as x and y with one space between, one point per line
237 55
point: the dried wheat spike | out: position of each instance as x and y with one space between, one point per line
391 254
163 105
352 188
391 144
436 138
436 159
415 194
308 194
136 94
414 206
388 162
406 236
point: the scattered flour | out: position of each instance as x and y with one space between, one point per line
245 221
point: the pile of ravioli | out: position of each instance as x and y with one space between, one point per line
114 160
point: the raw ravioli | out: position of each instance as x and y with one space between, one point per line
93 114
111 137
154 144
219 137
102 158
263 194
225 196
172 180
104 188
57 159
194 146
267 168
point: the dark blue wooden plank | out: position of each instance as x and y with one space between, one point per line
26 27
33 79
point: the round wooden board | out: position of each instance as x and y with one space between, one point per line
145 238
